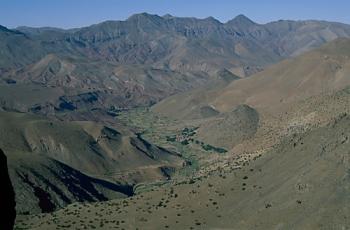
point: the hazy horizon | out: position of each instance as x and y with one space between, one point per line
65 14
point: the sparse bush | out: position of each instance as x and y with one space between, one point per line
185 142
171 138
208 147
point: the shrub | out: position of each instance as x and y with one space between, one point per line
171 138
184 142
208 147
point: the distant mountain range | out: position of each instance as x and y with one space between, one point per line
148 57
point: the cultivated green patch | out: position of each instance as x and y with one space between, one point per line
171 134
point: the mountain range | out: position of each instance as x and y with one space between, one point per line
148 57
236 123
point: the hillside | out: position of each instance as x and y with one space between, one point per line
286 96
231 128
17 49
317 72
192 104
320 71
7 198
300 182
95 163
303 183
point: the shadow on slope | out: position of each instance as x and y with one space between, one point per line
7 196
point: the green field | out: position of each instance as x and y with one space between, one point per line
171 134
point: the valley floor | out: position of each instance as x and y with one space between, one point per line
303 183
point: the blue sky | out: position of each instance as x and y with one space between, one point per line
77 13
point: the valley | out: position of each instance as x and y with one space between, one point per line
278 189
164 122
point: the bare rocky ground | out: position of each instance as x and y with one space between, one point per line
299 182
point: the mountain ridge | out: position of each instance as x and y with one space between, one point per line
188 52
317 71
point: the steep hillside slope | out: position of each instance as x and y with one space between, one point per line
17 49
303 183
126 85
7 220
317 72
320 71
54 163
231 128
43 185
193 103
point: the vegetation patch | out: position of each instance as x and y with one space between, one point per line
208 147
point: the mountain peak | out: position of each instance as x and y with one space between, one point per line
213 20
241 19
167 16
147 19
3 28
142 16
6 30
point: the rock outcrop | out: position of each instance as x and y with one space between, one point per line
7 196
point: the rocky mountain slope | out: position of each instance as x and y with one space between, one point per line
148 57
320 71
286 95
231 128
54 163
7 220
303 183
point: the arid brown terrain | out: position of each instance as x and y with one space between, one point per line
163 122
